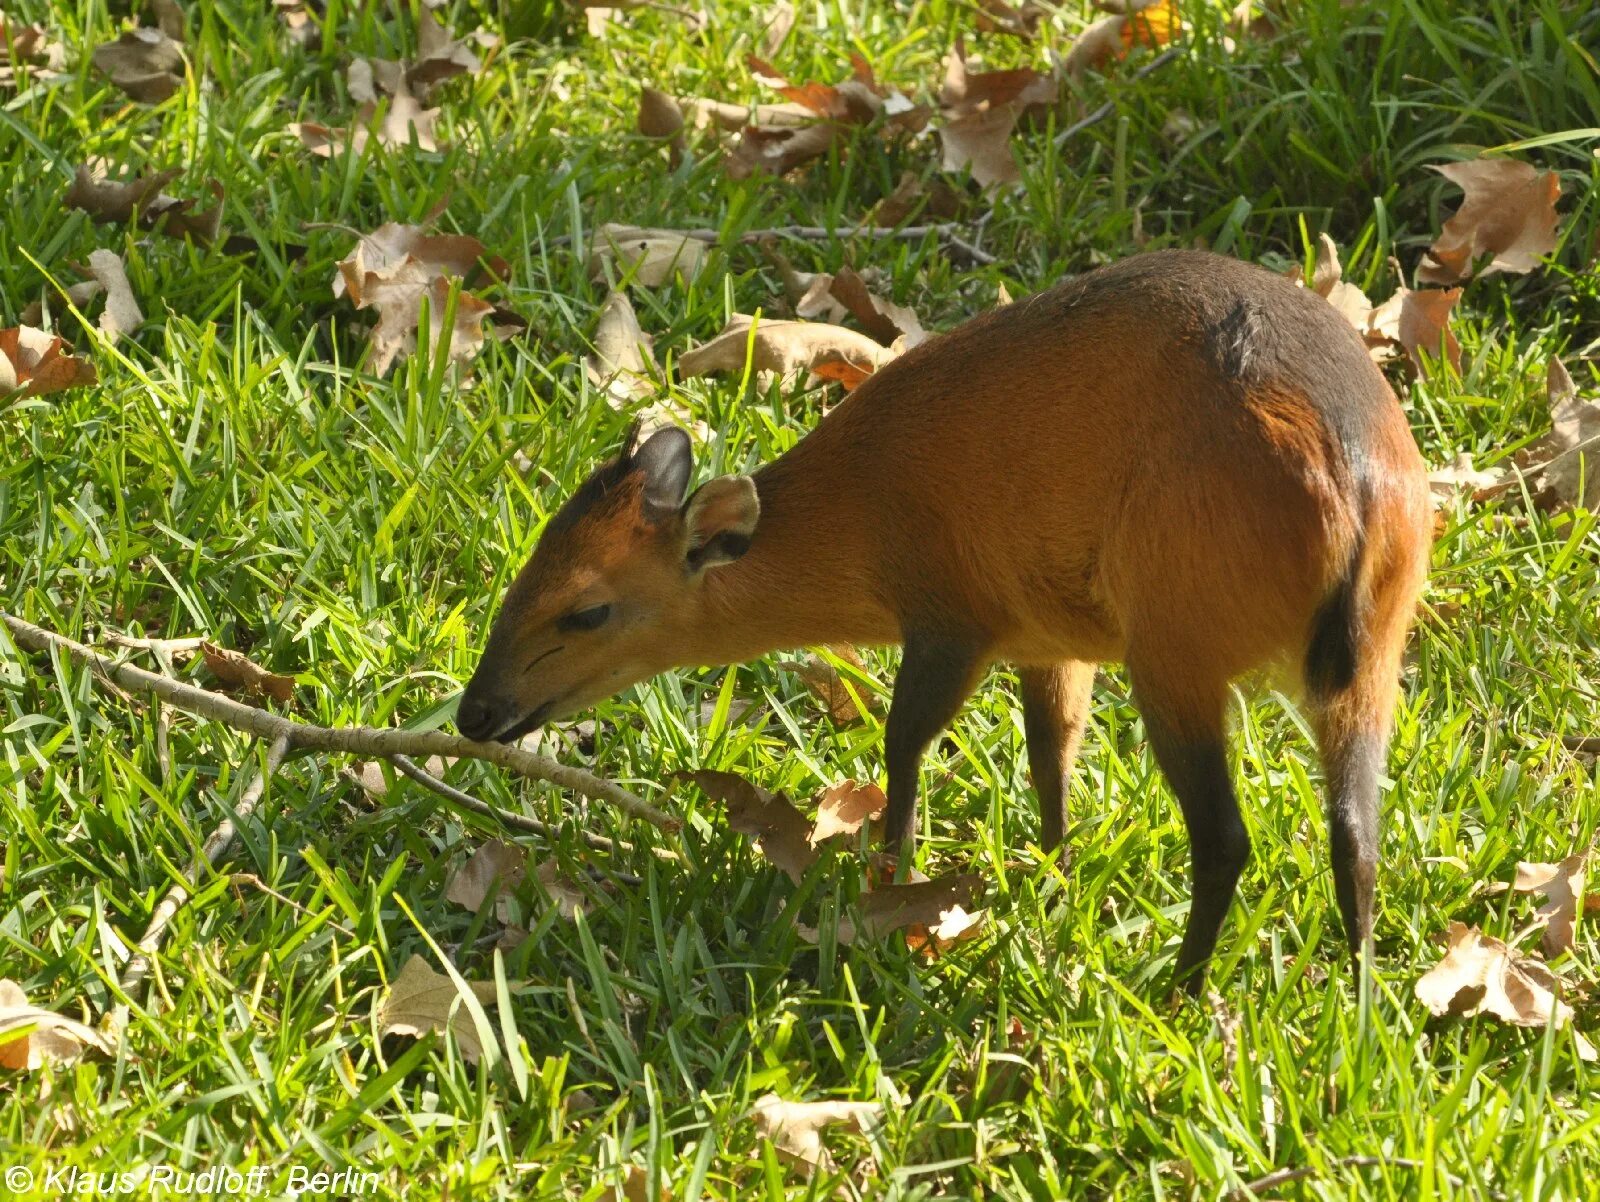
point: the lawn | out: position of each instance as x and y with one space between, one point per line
241 471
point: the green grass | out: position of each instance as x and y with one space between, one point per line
237 474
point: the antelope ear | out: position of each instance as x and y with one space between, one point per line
720 520
666 459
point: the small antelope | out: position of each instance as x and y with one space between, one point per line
1180 462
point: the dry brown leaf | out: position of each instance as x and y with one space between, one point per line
75 295
439 57
1462 476
121 315
979 111
1327 281
380 255
145 63
650 257
240 672
53 1038
398 268
399 301
24 49
1507 213
661 117
1562 886
891 907
776 22
732 118
493 869
785 347
402 118
369 775
782 833
883 319
825 683
955 925
1418 321
1481 975
1569 455
842 808
421 1000
635 1187
113 202
1151 23
570 901
36 362
1021 21
795 1128
854 101
622 365
935 201
779 149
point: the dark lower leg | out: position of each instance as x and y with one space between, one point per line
936 675
1186 738
1055 706
1353 765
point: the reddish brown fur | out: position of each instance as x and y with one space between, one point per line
1173 462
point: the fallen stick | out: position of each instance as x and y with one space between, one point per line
353 740
945 231
1585 743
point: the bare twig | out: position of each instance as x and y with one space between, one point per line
946 231
116 638
1110 106
1251 1190
1585 743
354 740
214 848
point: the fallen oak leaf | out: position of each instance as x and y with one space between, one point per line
1507 213
891 907
622 364
1568 457
779 149
1481 975
842 808
493 869
112 202
31 1037
76 295
883 319
784 347
1139 23
661 117
955 925
24 49
1562 886
795 1128
398 122
34 362
240 672
144 63
980 109
1418 321
650 257
379 256
1462 476
399 301
826 684
421 1000
569 900
781 832
122 314
1020 21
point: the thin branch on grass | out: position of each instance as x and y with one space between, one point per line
211 852
1584 743
354 740
115 638
946 231
1252 1190
1110 106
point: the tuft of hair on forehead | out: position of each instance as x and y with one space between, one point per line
603 489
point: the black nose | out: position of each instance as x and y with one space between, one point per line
475 717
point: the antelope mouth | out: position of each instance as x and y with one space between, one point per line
528 723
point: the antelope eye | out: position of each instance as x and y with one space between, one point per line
586 619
